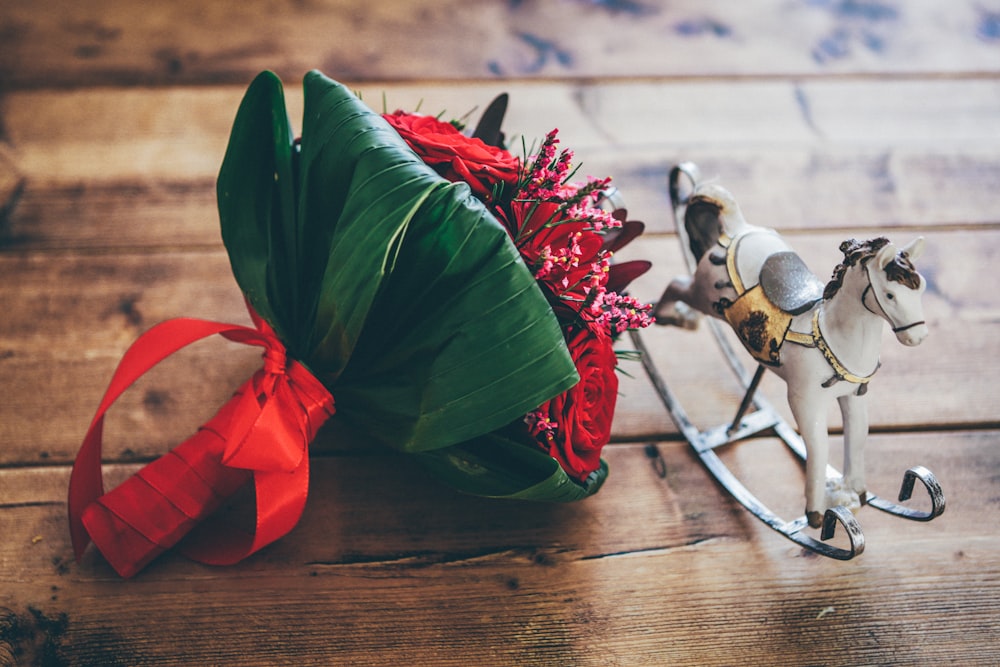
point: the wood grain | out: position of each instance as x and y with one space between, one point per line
826 118
386 564
130 167
53 42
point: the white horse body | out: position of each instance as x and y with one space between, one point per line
824 347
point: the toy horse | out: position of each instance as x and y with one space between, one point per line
823 341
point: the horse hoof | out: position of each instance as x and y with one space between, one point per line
838 492
815 519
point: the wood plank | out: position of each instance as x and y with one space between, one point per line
828 187
386 567
136 167
53 349
182 131
56 372
810 188
52 42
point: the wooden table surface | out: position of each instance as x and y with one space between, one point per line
827 118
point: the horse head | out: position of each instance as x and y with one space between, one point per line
894 287
898 289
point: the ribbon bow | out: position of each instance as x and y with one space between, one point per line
263 432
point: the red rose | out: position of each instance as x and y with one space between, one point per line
574 426
454 155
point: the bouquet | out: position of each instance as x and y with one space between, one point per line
458 301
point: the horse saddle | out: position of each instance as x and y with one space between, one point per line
789 284
762 314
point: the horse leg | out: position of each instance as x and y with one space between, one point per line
810 416
673 309
854 410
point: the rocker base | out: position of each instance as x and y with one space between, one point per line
766 418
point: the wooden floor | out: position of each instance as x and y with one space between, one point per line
827 118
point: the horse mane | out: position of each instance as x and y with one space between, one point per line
900 269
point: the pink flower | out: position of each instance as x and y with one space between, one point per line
565 256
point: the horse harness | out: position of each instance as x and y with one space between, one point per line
762 315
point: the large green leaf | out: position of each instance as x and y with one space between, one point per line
361 185
462 340
256 194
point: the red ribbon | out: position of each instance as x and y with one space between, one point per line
262 432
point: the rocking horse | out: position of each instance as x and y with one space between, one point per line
822 340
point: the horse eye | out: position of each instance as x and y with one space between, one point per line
890 296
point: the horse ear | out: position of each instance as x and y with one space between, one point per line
915 248
885 255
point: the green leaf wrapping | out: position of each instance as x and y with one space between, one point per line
457 332
396 288
256 196
497 467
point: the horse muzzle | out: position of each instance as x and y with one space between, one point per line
913 334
